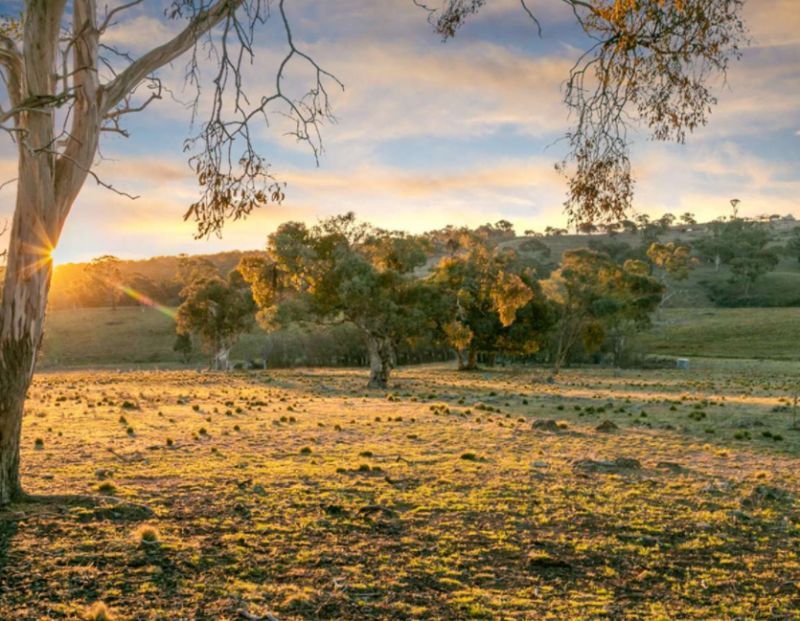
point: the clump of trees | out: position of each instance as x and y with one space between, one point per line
475 295
596 298
745 248
215 310
492 302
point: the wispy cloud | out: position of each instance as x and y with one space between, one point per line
430 133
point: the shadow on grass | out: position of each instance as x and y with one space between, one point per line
84 507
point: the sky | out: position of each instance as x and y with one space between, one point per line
430 133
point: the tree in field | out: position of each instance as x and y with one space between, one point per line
714 246
673 263
594 296
552 231
485 288
666 221
105 276
343 271
635 298
218 311
651 60
191 269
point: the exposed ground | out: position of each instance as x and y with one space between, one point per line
299 495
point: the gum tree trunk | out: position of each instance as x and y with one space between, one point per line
381 355
220 361
52 170
23 310
467 359
46 188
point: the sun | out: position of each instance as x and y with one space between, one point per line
56 257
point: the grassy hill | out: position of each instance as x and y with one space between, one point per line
726 333
92 337
781 287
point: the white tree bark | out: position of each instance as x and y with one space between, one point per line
50 178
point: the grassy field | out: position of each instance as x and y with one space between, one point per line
298 495
771 333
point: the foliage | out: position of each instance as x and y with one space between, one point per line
343 270
104 275
793 244
485 288
742 245
218 311
673 262
595 298
183 346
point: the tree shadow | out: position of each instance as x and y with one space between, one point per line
86 507
8 529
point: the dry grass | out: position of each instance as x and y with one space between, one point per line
384 517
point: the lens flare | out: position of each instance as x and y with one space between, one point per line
145 300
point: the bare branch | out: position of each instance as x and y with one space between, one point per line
110 14
234 178
127 80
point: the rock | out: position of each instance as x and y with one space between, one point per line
336 510
540 464
546 424
739 516
606 426
669 465
620 464
369 510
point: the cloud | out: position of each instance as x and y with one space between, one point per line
430 134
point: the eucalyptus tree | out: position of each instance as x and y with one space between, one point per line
343 271
596 298
484 287
218 311
646 60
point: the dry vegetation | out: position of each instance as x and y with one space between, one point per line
296 495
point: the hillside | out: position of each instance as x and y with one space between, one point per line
771 333
95 337
780 287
